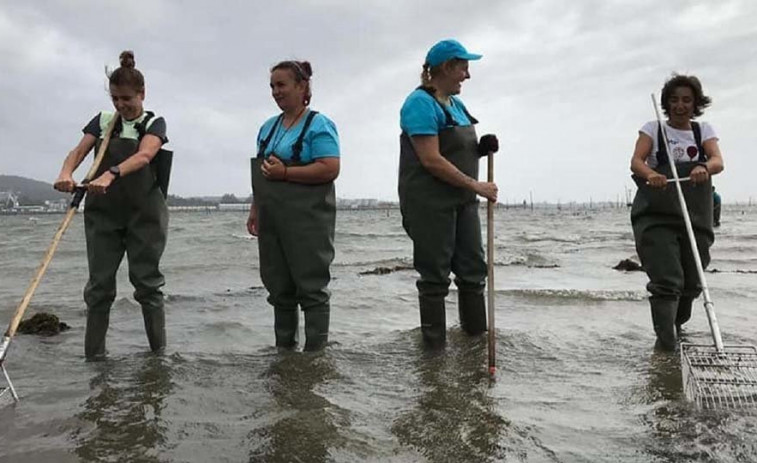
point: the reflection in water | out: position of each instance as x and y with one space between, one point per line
125 410
664 392
454 420
679 431
665 383
305 425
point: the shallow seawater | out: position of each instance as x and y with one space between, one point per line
577 377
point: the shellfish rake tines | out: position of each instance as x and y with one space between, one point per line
9 388
26 300
716 379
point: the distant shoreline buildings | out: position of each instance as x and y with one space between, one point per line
10 205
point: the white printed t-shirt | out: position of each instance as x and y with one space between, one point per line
682 142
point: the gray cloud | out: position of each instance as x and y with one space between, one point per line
565 84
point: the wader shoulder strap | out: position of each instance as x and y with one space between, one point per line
662 151
450 121
698 140
141 127
472 119
118 127
662 147
161 162
297 147
267 140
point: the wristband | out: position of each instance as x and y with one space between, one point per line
285 172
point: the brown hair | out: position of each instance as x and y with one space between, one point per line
127 75
701 101
302 72
429 72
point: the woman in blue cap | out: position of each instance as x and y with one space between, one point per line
293 210
438 188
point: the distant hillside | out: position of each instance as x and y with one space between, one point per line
30 192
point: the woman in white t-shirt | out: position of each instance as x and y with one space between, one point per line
659 231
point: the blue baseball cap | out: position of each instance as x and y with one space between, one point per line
446 50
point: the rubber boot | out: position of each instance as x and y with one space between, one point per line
433 320
472 311
285 323
663 319
155 327
684 311
94 336
316 328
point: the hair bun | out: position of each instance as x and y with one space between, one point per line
127 59
306 68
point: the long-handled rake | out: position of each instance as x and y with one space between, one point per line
713 376
78 196
491 340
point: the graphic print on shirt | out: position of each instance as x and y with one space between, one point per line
676 149
683 147
679 154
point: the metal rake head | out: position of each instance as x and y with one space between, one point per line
8 390
716 379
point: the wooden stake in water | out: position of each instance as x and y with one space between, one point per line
78 195
490 265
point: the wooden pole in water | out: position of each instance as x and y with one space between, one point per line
490 265
78 195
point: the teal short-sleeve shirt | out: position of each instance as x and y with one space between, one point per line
321 139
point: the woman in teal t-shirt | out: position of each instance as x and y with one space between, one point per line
293 210
438 187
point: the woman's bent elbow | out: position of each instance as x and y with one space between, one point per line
332 175
331 171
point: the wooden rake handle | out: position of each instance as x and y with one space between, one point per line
13 326
490 265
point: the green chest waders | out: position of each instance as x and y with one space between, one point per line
443 222
131 217
664 250
653 207
660 208
296 247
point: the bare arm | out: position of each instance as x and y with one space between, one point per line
713 165
714 158
252 219
321 170
148 148
427 149
65 181
638 162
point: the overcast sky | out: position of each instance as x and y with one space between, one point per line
565 85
